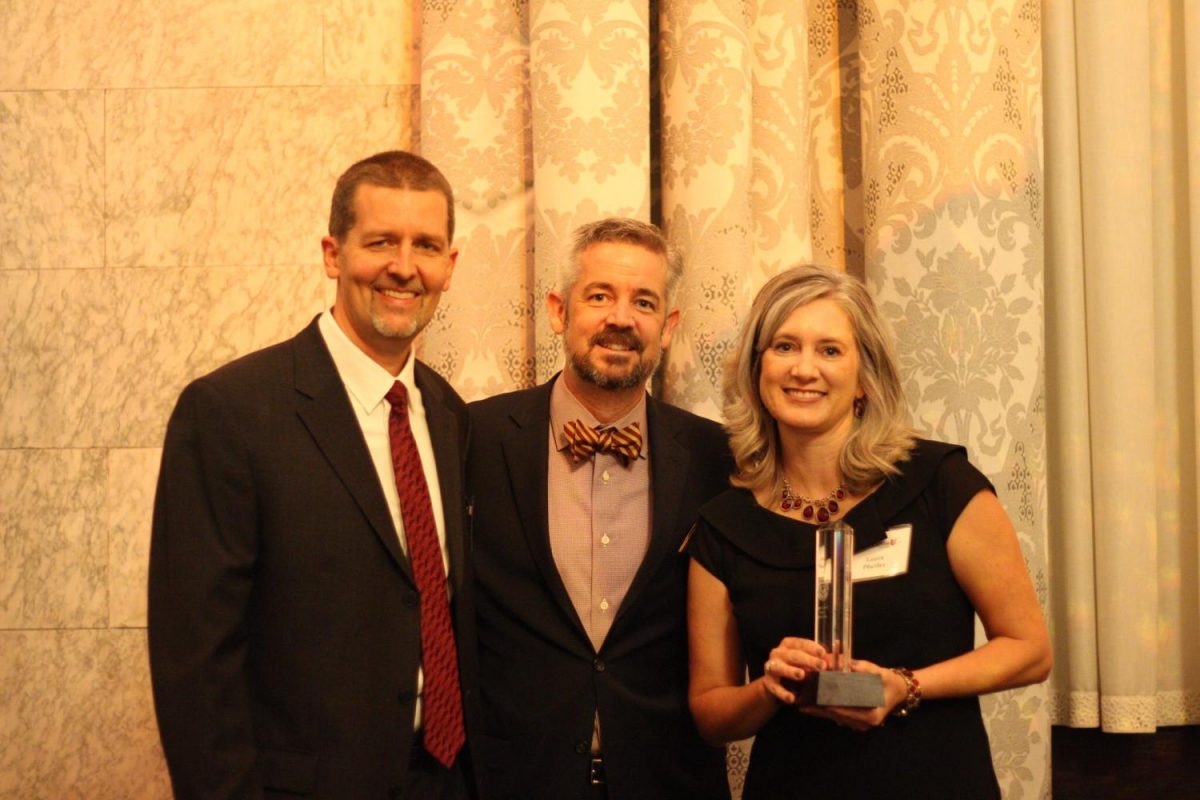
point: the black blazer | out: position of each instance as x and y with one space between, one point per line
541 679
283 615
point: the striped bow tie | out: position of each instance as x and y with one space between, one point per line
583 441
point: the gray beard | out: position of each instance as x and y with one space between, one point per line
637 376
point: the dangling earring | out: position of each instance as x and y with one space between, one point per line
860 407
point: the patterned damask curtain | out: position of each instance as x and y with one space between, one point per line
898 140
953 231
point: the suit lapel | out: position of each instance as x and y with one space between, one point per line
525 450
325 410
669 459
443 430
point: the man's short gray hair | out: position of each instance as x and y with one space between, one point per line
628 231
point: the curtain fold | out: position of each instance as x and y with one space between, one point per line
707 91
474 124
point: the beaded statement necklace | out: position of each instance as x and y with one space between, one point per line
809 508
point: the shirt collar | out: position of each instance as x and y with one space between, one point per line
565 406
366 382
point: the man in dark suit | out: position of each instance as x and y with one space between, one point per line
310 619
584 489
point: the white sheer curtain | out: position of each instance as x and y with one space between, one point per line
1122 106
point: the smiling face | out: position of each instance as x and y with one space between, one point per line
808 378
614 321
391 269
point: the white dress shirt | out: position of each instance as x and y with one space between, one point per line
367 385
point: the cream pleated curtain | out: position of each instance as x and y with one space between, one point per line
899 140
1123 290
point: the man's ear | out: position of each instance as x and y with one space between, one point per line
558 312
453 256
669 327
329 251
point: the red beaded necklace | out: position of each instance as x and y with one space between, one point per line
822 508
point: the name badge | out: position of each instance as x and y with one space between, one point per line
887 559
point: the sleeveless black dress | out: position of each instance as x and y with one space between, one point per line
912 620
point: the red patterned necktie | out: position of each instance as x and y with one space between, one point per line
441 699
584 441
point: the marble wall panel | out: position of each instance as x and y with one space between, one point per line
51 173
129 503
165 172
53 541
143 43
369 42
236 176
77 719
99 363
53 324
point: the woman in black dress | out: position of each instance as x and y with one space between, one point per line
819 430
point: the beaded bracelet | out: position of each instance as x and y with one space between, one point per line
913 688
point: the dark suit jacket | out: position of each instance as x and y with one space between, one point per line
541 679
283 615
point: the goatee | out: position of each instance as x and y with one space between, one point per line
636 375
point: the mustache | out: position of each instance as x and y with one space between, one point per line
627 339
413 285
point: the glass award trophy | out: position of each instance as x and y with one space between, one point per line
833 627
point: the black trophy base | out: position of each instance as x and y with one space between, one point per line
851 689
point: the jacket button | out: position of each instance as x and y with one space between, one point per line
582 747
598 665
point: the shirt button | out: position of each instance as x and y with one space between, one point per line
604 540
605 476
604 605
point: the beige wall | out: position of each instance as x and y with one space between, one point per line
165 171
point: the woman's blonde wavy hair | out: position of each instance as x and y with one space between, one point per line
882 438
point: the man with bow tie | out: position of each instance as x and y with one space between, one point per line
585 488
